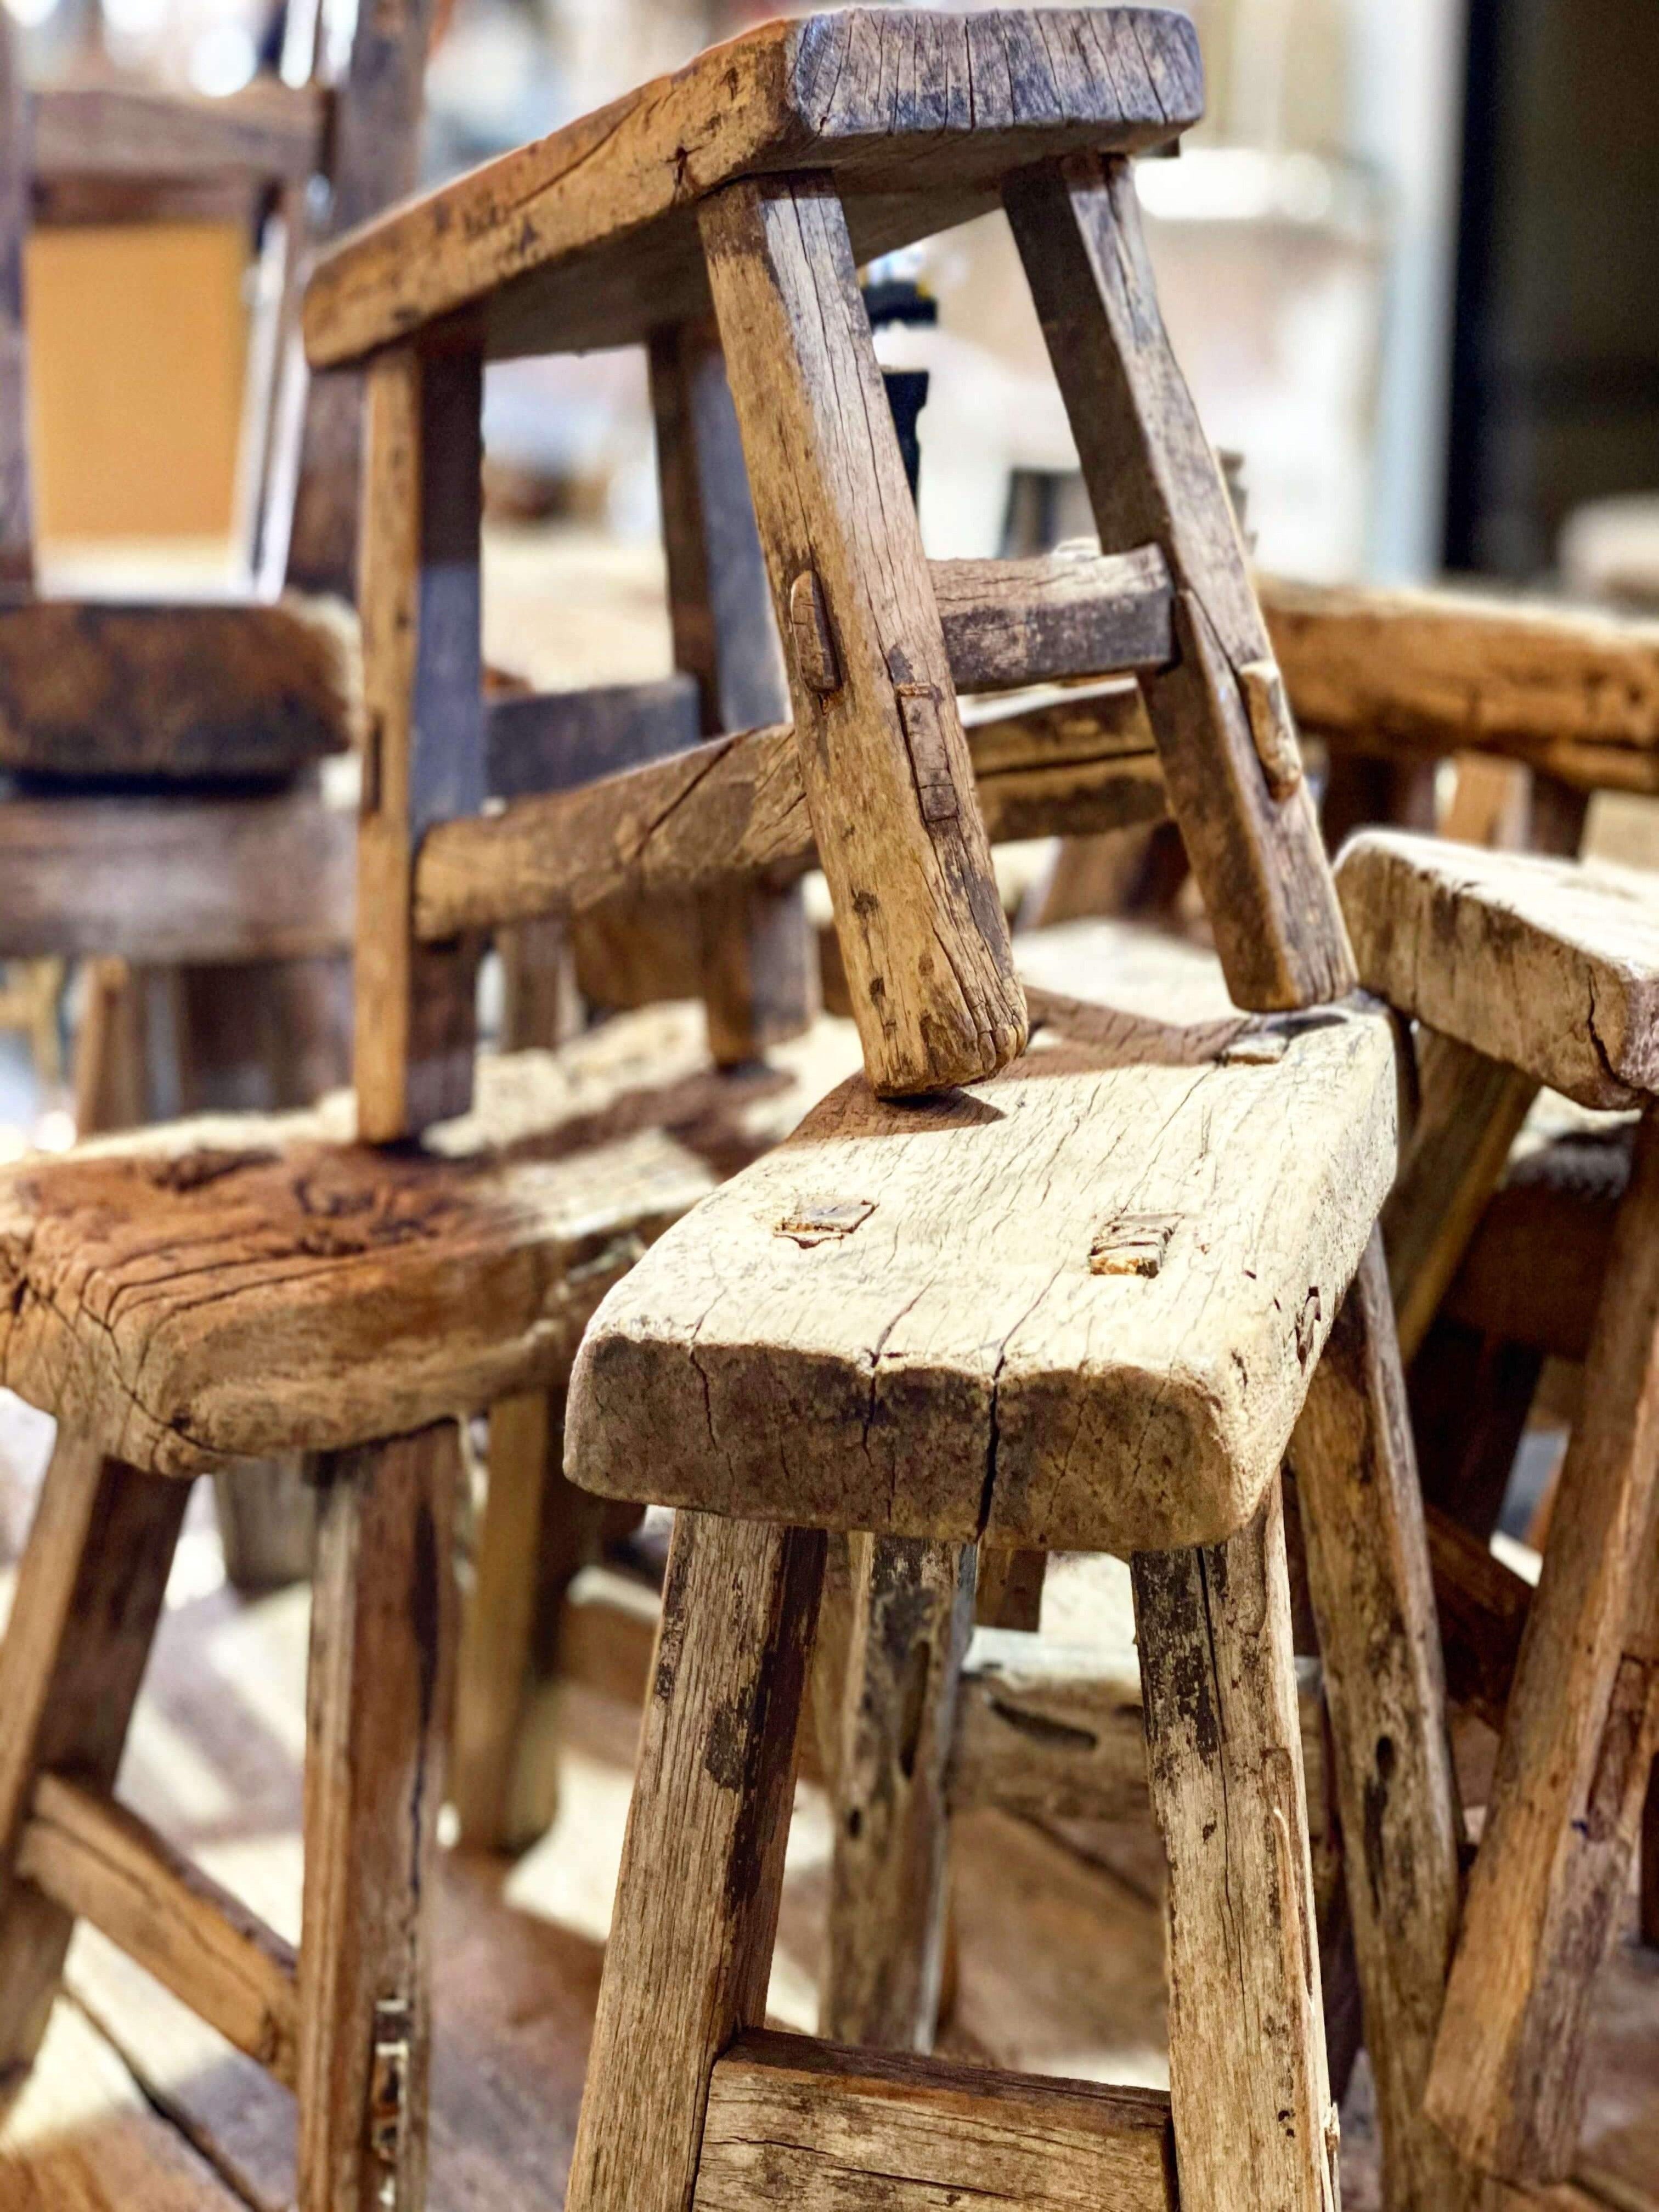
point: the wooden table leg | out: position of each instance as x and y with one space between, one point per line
1508 2082
1255 2130
89 1594
913 1616
382 1644
702 1875
1373 1593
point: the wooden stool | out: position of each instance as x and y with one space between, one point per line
757 180
1538 971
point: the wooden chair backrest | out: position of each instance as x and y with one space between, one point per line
345 117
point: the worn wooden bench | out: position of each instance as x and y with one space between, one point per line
1542 972
751 183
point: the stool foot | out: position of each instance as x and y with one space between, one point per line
1254 2127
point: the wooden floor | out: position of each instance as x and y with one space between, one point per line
135 2107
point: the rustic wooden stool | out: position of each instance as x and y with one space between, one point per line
1546 972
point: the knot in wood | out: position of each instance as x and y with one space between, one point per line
191 1171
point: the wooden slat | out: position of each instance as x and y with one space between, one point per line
1482 1606
99 689
797 2123
377 1714
1053 619
1571 690
702 1872
888 784
166 880
269 132
545 741
1225 731
100 1862
736 807
424 759
16 499
584 238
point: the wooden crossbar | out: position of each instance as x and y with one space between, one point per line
736 807
268 131
817 2127
102 1863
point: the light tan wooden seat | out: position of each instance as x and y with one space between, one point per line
1075 1309
1550 965
588 238
1551 969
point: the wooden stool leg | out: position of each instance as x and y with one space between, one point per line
1373 1595
913 1613
1223 726
1508 2081
702 1875
759 957
885 765
89 1594
382 1640
1255 2130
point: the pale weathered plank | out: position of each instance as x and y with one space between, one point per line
702 1872
736 807
1571 690
89 687
98 1862
913 1612
162 880
1508 2083
1254 2123
793 2123
234 1288
1370 1580
889 783
978 1316
381 1673
586 237
1224 731
420 600
1550 965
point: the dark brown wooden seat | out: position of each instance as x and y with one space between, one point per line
588 237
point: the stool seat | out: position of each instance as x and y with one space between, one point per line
1550 965
97 687
1076 1307
588 237
238 1287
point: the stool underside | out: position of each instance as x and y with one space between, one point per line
588 237
1076 1306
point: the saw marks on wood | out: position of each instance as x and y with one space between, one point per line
1079 1311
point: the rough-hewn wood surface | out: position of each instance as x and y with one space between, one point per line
1571 690
1370 1575
310 1292
420 600
1253 2123
1550 965
586 237
1225 731
1508 2083
701 1875
89 687
889 783
163 880
736 806
912 1609
378 1696
977 1315
267 131
795 2123
99 1863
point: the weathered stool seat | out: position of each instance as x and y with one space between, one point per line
588 237
234 1287
1550 965
1078 1307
